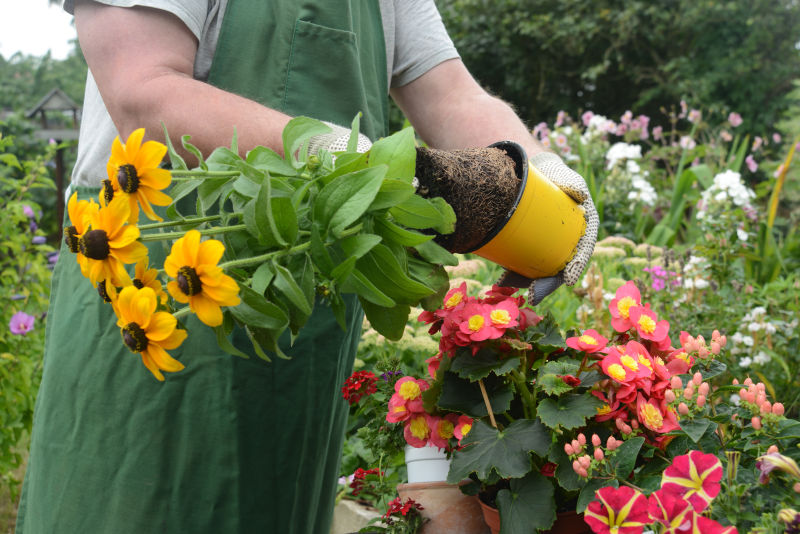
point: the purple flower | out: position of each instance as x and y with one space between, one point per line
28 211
33 226
39 240
17 297
21 323
52 257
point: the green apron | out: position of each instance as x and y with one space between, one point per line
227 445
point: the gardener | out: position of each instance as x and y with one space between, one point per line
231 445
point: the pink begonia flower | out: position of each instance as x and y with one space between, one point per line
502 316
587 117
751 163
695 116
590 341
696 476
21 323
658 133
735 119
617 510
627 296
623 371
441 430
417 431
463 426
647 324
655 417
407 399
476 322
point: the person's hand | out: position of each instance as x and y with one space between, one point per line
569 181
336 140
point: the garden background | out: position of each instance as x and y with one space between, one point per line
681 115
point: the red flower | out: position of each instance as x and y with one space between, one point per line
590 341
648 326
657 418
671 510
360 479
570 380
617 511
358 385
696 476
549 469
398 507
463 426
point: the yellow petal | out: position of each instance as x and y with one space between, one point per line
146 207
206 309
210 252
124 304
117 157
162 324
130 253
150 155
133 144
162 359
143 306
116 272
157 179
176 292
191 243
148 362
124 236
174 340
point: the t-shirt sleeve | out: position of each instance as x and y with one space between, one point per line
192 14
421 40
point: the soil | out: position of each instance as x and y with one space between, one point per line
479 183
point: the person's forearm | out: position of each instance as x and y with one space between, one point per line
209 116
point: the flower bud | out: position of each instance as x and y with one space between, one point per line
756 422
583 473
576 466
635 423
620 423
598 455
676 382
611 443
761 399
596 441
748 381
742 393
581 439
766 408
585 461
702 352
626 429
715 335
777 408
703 389
669 396
761 387
576 446
683 409
715 348
701 400
735 381
568 449
772 448
723 340
688 392
697 378
796 487
749 396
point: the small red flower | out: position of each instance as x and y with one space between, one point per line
570 380
358 385
360 479
549 469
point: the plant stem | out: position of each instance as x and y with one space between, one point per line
488 404
528 401
177 235
264 257
180 173
186 310
181 222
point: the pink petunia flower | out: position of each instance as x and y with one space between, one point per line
617 511
696 476
671 510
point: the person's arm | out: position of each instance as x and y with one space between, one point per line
450 110
142 60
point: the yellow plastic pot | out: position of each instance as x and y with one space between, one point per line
541 232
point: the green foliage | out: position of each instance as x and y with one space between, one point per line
546 56
24 288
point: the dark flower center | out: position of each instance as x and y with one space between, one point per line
138 283
127 177
94 244
71 238
134 337
188 281
101 290
108 191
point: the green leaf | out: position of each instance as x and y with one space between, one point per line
397 234
359 284
434 253
694 428
285 283
546 334
175 159
528 506
565 474
624 460
420 213
587 493
210 190
398 152
460 395
262 277
257 311
392 192
285 217
345 199
10 160
194 151
715 368
388 322
264 219
507 451
568 411
381 267
552 384
319 254
298 131
343 270
433 276
266 159
225 344
481 364
560 367
357 245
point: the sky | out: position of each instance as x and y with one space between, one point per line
33 27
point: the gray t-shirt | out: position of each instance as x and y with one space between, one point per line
416 41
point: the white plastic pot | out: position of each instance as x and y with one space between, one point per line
426 464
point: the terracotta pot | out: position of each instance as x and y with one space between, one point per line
446 508
566 522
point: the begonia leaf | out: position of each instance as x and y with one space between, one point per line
481 364
528 506
568 411
464 396
624 460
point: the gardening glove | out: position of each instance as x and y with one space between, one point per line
571 183
336 140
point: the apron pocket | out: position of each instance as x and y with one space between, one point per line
324 74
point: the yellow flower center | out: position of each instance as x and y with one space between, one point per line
410 390
188 281
419 427
683 356
644 361
617 372
652 417
587 340
445 429
398 409
134 337
629 362
476 322
454 300
465 429
647 324
624 305
604 409
500 317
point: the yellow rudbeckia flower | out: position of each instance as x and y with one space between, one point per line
134 173
109 245
80 214
148 332
144 277
198 279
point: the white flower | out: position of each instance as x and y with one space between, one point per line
700 283
769 328
754 327
741 234
761 358
737 338
735 399
621 151
758 311
748 340
745 362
